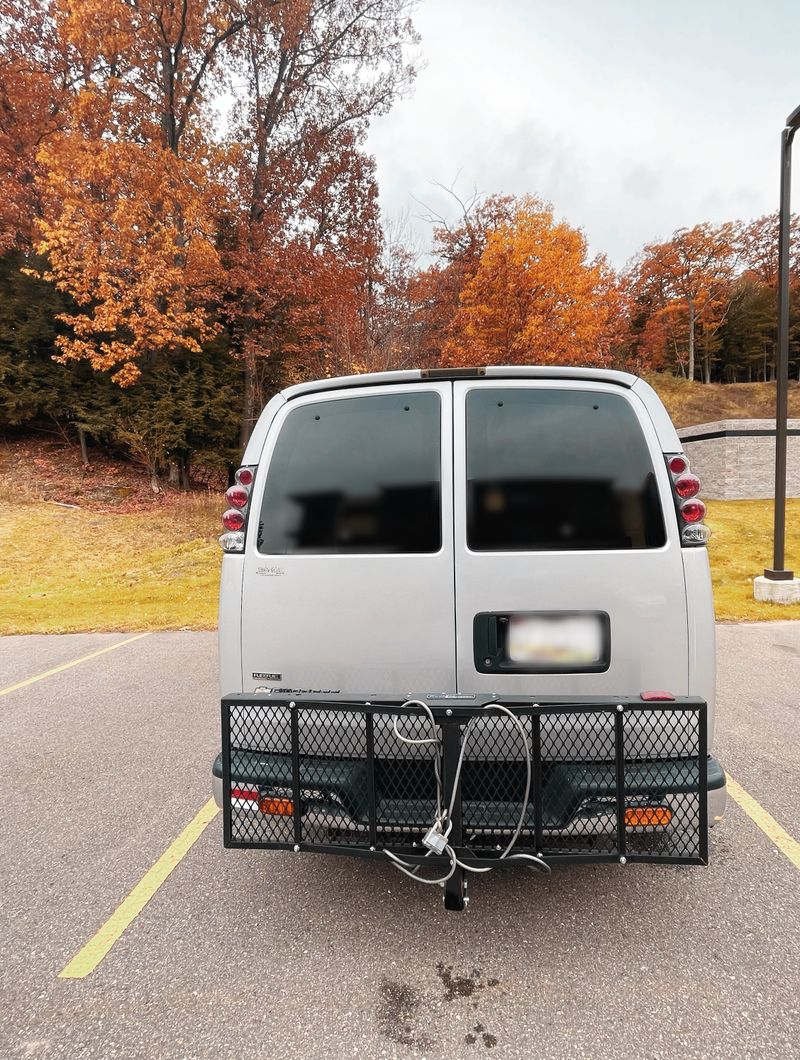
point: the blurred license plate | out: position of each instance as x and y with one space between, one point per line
568 640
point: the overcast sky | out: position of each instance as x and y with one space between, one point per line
633 117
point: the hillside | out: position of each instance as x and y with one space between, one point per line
691 403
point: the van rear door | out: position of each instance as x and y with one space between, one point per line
348 581
569 577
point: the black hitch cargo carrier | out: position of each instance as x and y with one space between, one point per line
611 779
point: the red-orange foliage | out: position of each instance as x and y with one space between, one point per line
164 224
685 282
536 297
34 75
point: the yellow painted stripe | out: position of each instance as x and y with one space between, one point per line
88 958
68 665
765 821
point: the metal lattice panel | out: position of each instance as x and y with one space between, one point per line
609 780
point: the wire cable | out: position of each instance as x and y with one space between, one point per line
443 821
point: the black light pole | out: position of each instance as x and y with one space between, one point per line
778 572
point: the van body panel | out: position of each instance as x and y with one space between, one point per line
229 635
665 429
389 623
255 445
641 590
702 631
348 621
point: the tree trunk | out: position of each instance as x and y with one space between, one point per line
690 369
84 447
706 367
183 466
174 474
248 402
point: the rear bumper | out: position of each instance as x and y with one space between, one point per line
336 784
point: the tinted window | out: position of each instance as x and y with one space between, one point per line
558 470
357 474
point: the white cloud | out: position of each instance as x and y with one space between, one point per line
633 118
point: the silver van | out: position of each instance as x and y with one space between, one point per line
466 624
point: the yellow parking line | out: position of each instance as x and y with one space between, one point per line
88 958
765 821
67 665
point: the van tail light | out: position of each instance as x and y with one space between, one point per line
235 518
238 496
685 486
693 511
695 534
690 509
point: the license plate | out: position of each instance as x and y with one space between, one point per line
568 640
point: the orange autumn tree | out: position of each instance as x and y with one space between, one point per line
302 250
536 297
686 282
128 185
34 78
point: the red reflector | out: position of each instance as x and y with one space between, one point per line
693 511
678 464
657 697
687 485
244 793
233 520
244 476
238 496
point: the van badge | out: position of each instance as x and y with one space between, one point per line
266 677
270 572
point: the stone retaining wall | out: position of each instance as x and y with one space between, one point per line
735 459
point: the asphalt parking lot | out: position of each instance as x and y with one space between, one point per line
253 954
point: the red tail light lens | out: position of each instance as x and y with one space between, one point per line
687 485
693 511
233 519
678 464
237 496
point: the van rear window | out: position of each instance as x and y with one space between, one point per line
558 470
355 475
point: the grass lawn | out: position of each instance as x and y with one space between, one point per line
71 570
740 548
689 403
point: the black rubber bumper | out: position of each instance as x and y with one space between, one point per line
565 785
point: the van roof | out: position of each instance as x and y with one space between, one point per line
416 375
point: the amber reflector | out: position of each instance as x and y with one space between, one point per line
269 804
648 816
